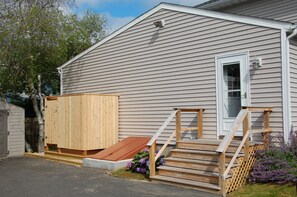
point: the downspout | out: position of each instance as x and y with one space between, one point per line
287 116
60 71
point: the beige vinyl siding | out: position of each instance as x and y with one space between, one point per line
154 70
283 10
293 81
16 128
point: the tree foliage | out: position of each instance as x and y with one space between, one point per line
37 36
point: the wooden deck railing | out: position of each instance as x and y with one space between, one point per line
242 118
177 133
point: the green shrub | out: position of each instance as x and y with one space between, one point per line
141 162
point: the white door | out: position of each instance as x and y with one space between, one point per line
232 89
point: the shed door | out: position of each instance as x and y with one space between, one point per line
232 82
3 133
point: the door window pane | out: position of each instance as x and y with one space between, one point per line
231 90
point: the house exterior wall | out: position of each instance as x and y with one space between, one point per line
16 128
284 10
293 81
154 70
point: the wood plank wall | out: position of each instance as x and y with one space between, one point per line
83 121
51 120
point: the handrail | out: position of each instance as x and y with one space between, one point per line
188 109
161 129
164 146
260 131
235 155
242 118
230 135
152 143
258 109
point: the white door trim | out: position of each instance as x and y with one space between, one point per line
218 78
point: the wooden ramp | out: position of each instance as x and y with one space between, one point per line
125 149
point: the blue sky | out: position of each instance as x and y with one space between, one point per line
120 12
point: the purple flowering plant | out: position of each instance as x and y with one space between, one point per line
277 164
141 162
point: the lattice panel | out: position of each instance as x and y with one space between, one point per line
240 173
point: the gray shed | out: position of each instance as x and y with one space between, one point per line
12 130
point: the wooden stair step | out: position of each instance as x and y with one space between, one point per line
207 187
199 155
217 142
205 162
237 143
206 142
195 154
190 171
202 152
189 174
210 166
203 141
64 154
194 164
67 158
193 145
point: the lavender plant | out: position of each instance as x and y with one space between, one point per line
141 162
277 164
291 146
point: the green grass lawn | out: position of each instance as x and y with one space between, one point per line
123 173
249 190
265 190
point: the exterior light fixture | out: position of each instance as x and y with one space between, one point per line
257 63
159 24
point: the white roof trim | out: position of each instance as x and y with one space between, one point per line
189 10
220 4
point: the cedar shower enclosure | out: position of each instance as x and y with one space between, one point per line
81 122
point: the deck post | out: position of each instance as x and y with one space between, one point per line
247 142
200 124
178 124
266 135
152 159
222 169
